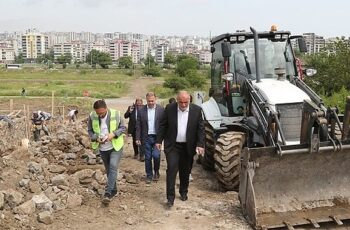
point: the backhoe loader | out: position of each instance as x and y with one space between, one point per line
271 137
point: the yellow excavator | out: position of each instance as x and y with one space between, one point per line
271 138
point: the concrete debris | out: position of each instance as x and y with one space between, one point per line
45 217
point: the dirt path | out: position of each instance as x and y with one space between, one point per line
142 206
138 88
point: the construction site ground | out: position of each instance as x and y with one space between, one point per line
57 183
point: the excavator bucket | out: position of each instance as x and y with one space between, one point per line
295 188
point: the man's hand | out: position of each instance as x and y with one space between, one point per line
110 136
159 146
200 151
138 142
100 140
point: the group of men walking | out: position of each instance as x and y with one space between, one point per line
179 125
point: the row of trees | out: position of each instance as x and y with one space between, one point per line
332 80
187 74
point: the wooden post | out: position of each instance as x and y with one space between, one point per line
28 120
25 121
11 105
63 112
52 102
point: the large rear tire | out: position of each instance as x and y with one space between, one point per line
207 161
228 159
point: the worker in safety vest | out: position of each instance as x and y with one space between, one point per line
106 130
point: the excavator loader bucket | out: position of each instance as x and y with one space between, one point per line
295 188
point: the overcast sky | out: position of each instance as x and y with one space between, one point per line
176 17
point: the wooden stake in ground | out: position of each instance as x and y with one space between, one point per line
52 102
11 105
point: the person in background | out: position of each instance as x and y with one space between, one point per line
172 100
106 131
7 119
132 113
73 115
40 118
23 92
182 130
147 126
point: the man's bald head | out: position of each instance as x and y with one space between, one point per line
183 100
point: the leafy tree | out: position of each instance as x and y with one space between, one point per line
333 68
104 59
46 57
169 59
96 57
125 62
19 59
64 59
176 83
186 63
149 61
92 57
152 71
194 79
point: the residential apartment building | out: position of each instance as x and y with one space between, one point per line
76 49
160 52
135 53
204 57
314 42
7 54
121 48
34 45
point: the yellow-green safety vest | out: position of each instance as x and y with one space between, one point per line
116 142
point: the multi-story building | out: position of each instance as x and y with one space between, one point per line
161 50
135 53
100 46
7 55
204 57
87 37
75 49
314 42
34 45
119 48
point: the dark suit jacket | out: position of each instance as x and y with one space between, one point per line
132 119
195 136
142 122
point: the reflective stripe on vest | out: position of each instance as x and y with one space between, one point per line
114 117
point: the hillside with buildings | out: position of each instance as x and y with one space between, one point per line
32 44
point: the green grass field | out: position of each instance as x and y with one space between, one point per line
65 83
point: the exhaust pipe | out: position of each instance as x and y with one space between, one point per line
256 49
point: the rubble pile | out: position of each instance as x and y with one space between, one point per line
11 136
55 173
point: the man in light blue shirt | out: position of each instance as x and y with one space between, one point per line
147 125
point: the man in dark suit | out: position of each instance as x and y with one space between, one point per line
131 113
182 130
147 126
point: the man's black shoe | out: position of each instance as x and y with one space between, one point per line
156 176
170 203
114 193
106 198
142 158
184 197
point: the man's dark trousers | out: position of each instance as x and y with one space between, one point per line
177 160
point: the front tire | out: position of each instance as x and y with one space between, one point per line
227 158
207 161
